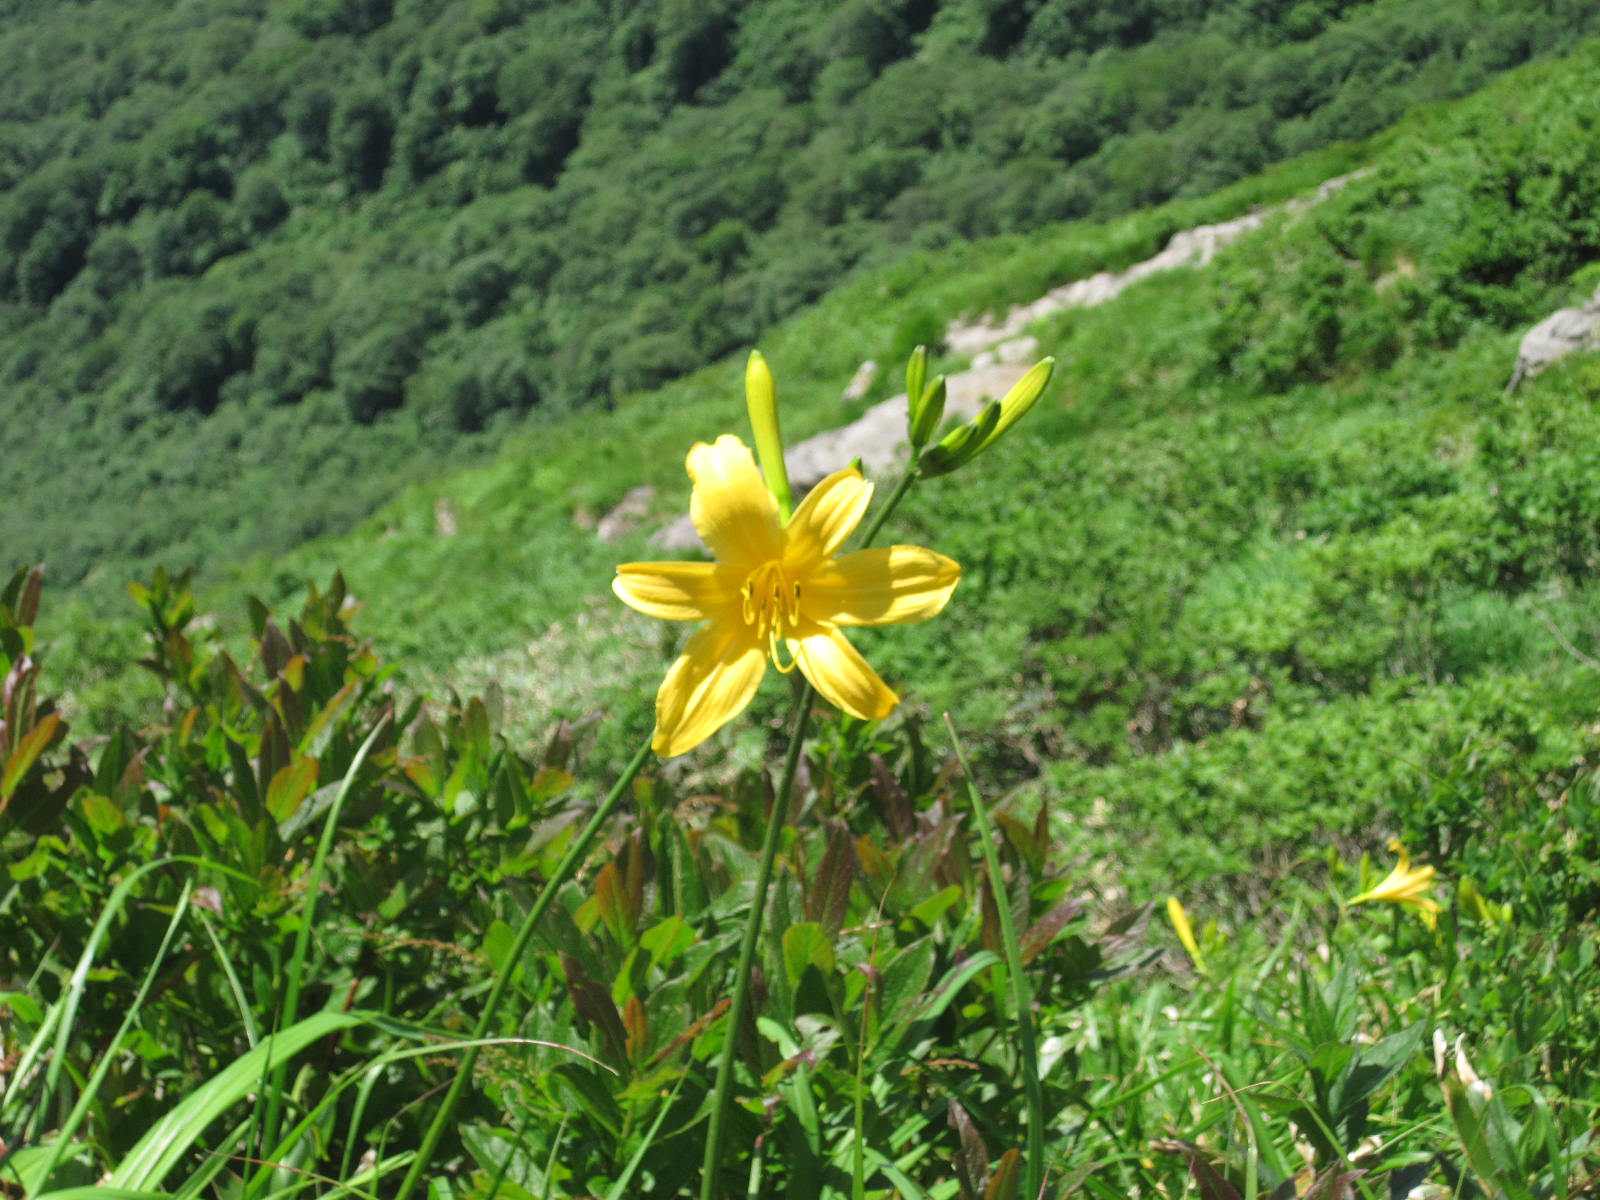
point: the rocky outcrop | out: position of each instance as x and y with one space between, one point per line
627 515
861 382
1188 248
1565 331
1001 355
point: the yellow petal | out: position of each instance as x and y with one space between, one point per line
825 518
895 585
842 675
732 510
708 686
675 591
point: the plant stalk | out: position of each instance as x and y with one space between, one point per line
720 1096
721 1093
901 487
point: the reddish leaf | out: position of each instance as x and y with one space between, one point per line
1044 930
972 1159
289 787
893 804
28 603
637 1028
28 748
827 898
1007 1178
596 1008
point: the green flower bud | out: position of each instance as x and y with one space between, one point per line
916 373
958 446
1015 404
761 398
926 413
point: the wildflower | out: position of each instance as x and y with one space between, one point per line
1406 885
1185 932
776 588
1465 1072
1470 900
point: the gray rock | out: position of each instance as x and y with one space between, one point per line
1000 354
860 381
627 515
1187 248
1565 331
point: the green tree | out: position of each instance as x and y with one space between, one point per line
260 201
359 136
190 238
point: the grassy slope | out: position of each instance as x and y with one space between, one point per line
1275 556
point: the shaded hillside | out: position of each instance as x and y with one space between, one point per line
262 265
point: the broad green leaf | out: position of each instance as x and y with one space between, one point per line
666 940
805 945
905 978
289 788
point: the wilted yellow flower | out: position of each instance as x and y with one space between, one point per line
776 588
1406 885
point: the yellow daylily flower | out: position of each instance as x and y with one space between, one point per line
1406 885
776 588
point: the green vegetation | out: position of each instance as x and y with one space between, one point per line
262 266
1275 572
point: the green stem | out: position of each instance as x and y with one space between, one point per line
569 863
901 487
721 1094
1021 997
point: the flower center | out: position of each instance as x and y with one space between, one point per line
771 603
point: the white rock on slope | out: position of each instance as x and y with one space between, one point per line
1565 331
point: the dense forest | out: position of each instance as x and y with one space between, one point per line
260 265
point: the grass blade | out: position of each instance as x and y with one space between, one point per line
1021 993
155 1154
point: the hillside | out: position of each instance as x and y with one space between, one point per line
1273 504
262 266
1261 857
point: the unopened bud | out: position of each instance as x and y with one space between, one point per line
916 374
927 410
958 446
761 398
1015 403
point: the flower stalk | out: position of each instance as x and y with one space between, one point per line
721 1093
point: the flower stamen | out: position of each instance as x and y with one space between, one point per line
770 602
